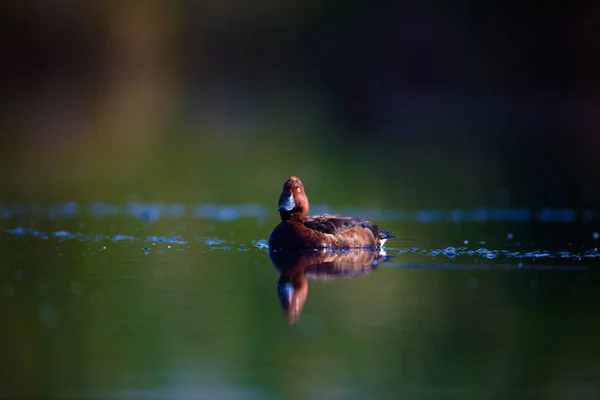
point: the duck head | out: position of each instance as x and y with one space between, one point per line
293 202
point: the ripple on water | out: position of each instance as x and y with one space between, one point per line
452 252
215 243
151 212
449 252
261 244
163 239
118 238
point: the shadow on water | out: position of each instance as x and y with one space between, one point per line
298 266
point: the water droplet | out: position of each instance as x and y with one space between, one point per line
510 236
596 235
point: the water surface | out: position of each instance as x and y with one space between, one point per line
178 301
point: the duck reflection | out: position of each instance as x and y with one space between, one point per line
296 266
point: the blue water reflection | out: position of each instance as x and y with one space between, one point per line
152 212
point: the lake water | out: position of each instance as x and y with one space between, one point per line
178 301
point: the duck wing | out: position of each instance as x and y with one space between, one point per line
335 224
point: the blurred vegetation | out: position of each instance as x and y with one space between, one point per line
221 101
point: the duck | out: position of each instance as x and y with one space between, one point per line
295 266
297 230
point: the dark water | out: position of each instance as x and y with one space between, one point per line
173 301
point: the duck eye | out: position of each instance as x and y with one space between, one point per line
298 190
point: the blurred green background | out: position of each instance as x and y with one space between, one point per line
404 105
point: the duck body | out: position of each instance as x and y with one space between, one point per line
298 231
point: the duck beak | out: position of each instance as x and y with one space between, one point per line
287 203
